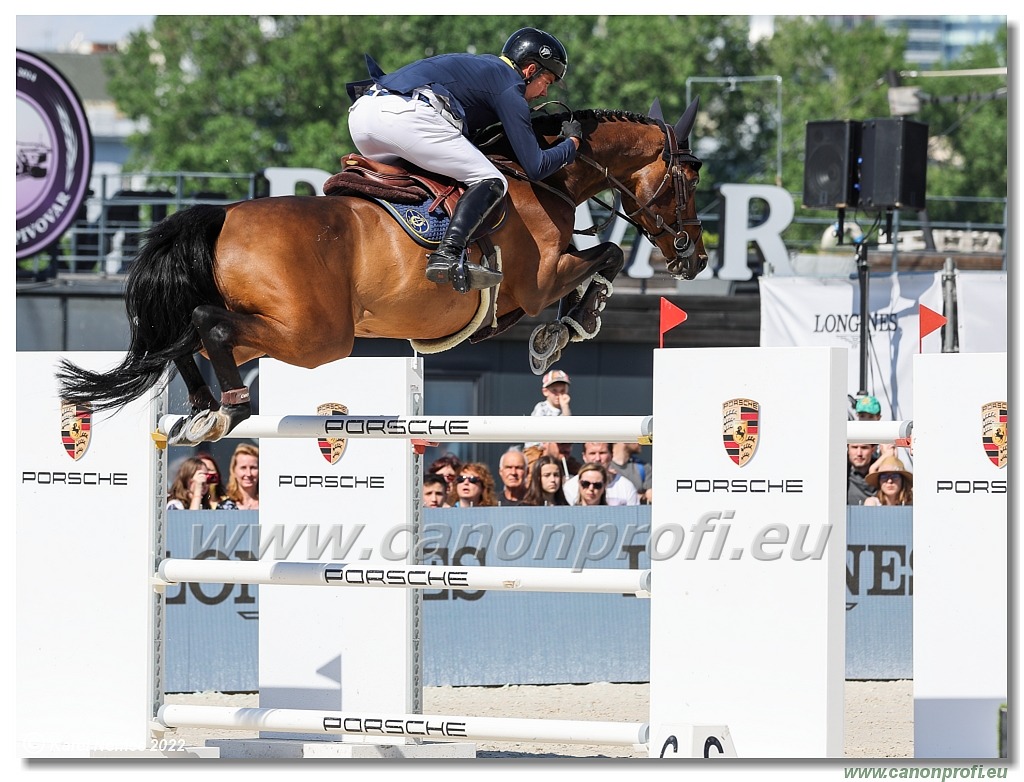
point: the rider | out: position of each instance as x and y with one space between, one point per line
425 112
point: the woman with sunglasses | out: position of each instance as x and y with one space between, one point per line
593 480
894 484
474 487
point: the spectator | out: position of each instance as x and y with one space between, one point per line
626 462
435 491
858 457
619 491
512 471
545 485
196 486
554 386
560 451
244 477
868 409
592 482
894 484
474 487
448 466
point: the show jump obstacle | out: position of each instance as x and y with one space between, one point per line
747 632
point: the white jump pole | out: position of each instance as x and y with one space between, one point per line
405 726
339 574
468 429
496 429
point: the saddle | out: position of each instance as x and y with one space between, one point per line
428 199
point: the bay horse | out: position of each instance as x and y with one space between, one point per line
298 278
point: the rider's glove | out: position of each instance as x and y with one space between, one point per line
571 128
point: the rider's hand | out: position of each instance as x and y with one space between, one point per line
571 128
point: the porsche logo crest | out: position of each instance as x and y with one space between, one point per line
332 448
75 429
739 429
993 432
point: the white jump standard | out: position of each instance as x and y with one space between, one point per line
747 640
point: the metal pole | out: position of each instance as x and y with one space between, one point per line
862 276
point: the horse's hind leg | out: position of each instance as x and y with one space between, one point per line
199 396
219 331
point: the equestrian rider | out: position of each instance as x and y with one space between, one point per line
427 111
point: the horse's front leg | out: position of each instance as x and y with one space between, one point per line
579 311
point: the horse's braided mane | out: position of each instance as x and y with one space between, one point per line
542 121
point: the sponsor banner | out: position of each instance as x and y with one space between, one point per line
338 649
211 636
879 593
85 514
802 311
53 154
981 311
961 578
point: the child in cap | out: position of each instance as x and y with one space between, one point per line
555 388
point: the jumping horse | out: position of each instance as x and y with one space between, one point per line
299 278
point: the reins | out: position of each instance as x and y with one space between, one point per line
674 156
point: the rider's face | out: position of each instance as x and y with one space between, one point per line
538 88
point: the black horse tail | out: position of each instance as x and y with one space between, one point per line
171 276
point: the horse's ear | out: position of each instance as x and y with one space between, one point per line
685 124
655 112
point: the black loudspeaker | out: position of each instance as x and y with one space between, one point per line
830 164
894 164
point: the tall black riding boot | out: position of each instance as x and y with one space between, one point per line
470 212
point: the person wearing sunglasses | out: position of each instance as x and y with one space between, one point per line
474 487
592 480
894 483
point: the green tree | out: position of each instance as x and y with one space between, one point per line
968 136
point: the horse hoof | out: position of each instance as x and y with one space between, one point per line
546 345
203 427
177 435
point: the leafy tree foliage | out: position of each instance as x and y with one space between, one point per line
242 93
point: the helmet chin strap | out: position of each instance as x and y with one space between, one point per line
526 79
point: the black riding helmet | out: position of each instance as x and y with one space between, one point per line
532 45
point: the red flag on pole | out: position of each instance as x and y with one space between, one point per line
671 316
929 320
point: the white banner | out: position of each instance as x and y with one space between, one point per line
981 311
825 312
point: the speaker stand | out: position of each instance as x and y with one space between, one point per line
862 277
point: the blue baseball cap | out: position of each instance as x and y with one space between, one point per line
869 405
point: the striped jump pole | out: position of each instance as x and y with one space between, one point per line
404 726
340 574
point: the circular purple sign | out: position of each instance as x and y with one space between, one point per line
54 154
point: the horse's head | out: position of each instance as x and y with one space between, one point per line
669 216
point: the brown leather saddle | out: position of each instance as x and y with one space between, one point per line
432 196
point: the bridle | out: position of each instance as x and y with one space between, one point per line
675 158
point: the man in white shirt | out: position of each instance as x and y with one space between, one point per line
619 491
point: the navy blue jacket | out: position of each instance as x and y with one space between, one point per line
482 89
